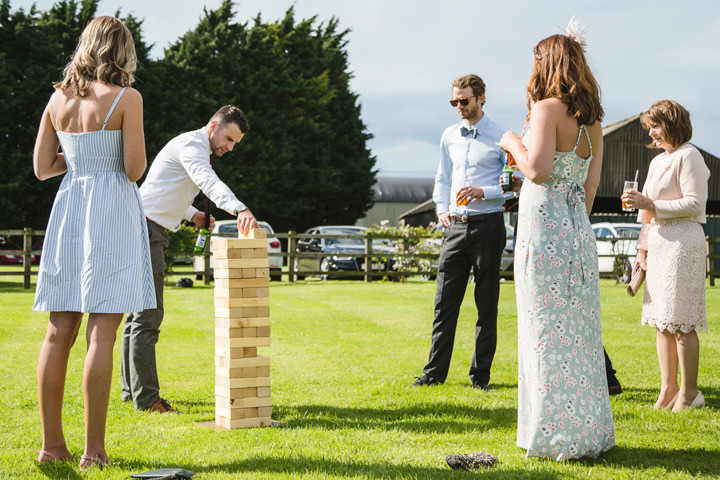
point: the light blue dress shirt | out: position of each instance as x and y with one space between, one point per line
470 160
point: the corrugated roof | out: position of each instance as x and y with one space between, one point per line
400 189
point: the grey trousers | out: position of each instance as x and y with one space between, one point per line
141 332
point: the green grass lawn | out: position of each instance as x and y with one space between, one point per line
343 354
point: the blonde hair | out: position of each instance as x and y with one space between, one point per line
105 52
561 71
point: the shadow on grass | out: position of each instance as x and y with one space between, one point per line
693 461
59 470
354 469
423 418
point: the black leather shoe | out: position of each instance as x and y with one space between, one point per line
482 386
615 389
425 381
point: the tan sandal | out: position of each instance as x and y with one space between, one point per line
46 457
86 462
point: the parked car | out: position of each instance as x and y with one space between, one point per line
10 259
342 253
228 228
434 245
616 242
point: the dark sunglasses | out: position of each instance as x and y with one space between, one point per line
463 101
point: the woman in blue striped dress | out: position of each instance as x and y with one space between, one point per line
95 257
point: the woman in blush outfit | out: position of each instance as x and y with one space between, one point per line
563 403
95 256
672 250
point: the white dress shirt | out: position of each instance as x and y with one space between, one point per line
179 172
474 160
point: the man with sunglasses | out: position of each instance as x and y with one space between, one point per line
469 202
179 172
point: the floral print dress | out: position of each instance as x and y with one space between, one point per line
563 404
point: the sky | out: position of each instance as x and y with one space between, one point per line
404 55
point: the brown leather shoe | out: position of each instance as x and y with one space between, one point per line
162 406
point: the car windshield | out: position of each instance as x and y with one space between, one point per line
628 232
343 241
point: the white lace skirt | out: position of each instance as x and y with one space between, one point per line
675 281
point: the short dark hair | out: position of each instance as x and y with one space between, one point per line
674 120
231 114
473 81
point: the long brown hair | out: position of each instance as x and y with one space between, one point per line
561 71
105 52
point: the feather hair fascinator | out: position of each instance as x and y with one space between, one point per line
576 32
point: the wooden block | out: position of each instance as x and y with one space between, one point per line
241 322
234 283
236 413
235 253
229 424
262 311
235 353
242 372
247 402
219 243
222 302
242 312
261 252
239 263
262 272
259 361
235 394
262 331
227 382
224 342
263 392
264 411
251 292
254 233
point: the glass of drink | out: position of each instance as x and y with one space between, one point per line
627 186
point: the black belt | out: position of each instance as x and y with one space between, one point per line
474 218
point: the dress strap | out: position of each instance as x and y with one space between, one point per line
112 109
587 135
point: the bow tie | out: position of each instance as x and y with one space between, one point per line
465 131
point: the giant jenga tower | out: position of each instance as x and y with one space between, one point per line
242 323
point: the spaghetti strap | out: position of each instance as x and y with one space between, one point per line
587 135
112 108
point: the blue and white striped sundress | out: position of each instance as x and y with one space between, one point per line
96 256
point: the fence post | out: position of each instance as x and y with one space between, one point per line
291 256
27 248
710 260
368 257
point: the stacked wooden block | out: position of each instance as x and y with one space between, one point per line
242 324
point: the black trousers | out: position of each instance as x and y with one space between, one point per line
478 246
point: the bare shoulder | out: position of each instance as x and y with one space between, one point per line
550 106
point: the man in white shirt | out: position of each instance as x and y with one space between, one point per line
180 171
470 205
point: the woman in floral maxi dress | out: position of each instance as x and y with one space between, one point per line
563 406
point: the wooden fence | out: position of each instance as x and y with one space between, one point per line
365 270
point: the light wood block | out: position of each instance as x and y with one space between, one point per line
261 252
234 273
223 342
229 424
220 243
229 284
243 312
242 372
259 361
242 382
234 302
242 322
240 263
235 353
238 402
254 233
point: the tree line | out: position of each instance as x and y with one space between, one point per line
305 161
